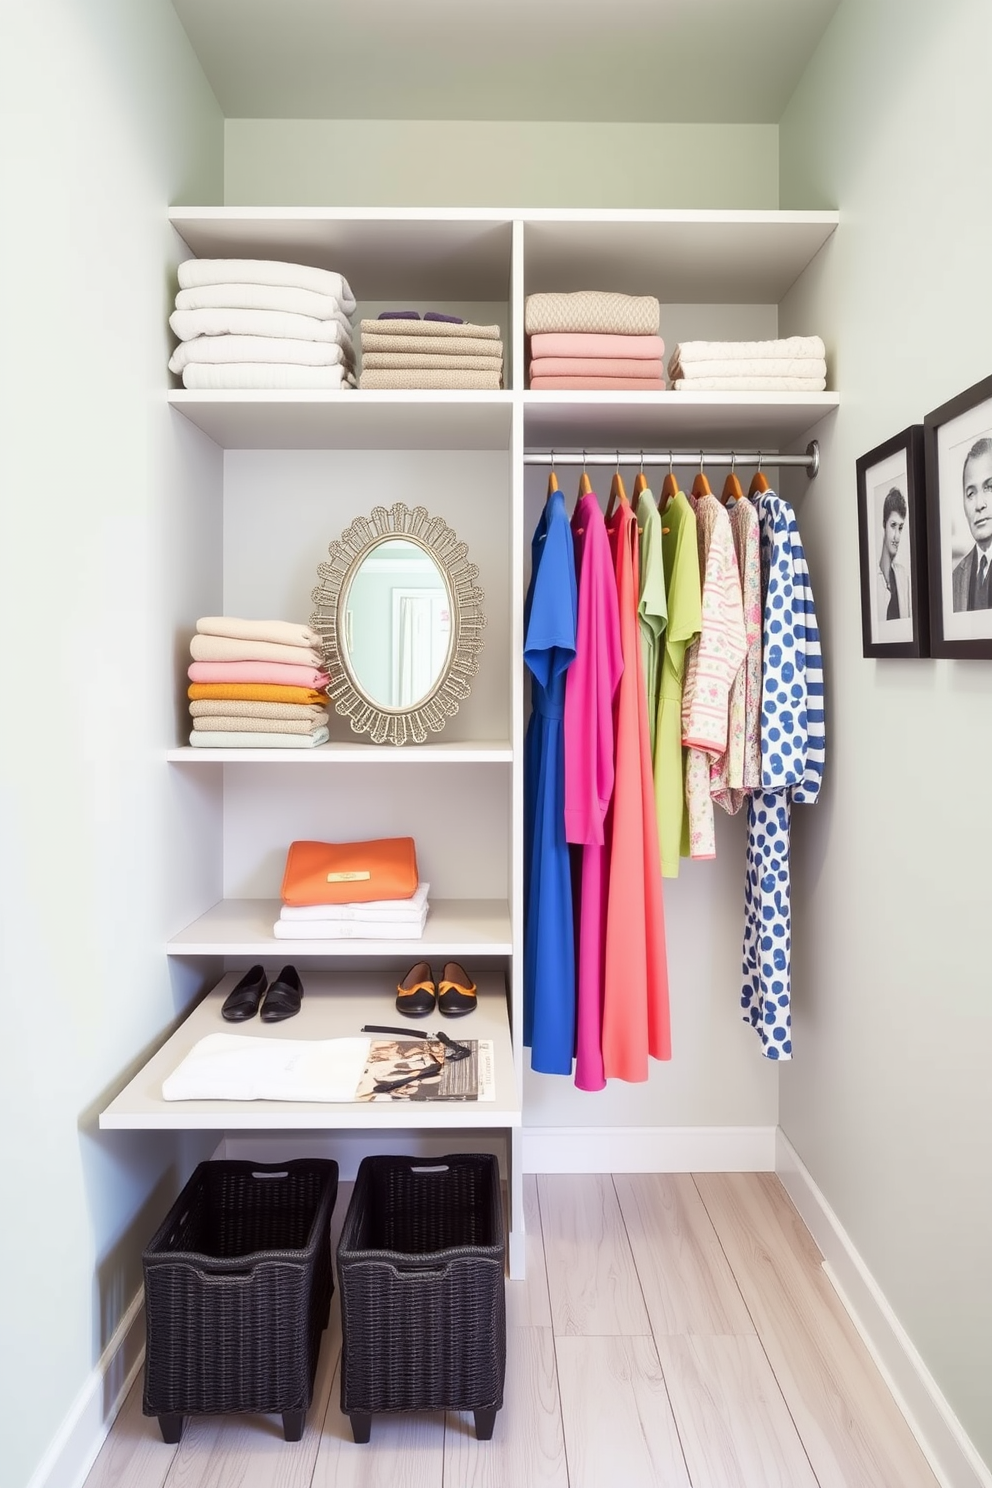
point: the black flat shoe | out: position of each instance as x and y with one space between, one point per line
456 992
416 994
243 1000
284 997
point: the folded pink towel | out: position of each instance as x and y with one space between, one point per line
231 648
275 673
599 384
593 344
595 367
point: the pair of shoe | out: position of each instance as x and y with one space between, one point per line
417 995
281 1000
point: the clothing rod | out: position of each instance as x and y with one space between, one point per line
810 461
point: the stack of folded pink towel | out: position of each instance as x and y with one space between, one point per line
256 684
594 340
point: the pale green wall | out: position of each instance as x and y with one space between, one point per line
390 162
888 1098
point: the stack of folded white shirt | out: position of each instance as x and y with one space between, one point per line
795 364
259 323
378 919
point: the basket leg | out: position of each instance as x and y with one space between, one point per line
361 1426
292 1424
171 1427
485 1420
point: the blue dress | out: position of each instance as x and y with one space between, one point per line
550 618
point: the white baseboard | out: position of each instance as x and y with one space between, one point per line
78 1440
943 1439
649 1149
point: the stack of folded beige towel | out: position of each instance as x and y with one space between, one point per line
430 354
594 339
256 684
795 364
259 323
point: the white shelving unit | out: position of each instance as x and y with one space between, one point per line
297 467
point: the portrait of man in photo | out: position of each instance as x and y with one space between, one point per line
893 584
970 583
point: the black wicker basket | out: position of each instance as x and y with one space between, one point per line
238 1288
420 1276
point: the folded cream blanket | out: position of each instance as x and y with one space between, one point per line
260 375
190 323
590 344
282 632
245 1067
722 351
384 909
440 330
350 929
264 297
258 349
419 361
197 271
242 708
231 723
749 384
592 310
430 345
232 648
751 367
231 739
427 378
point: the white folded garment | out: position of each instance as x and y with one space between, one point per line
281 632
224 739
350 929
749 384
752 367
246 1067
261 375
208 647
196 271
263 297
400 910
257 349
190 323
722 351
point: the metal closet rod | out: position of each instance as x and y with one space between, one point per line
810 461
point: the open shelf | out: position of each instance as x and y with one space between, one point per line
243 927
497 752
662 420
335 1005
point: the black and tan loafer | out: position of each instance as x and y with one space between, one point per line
416 994
456 992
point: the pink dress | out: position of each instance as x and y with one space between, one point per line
590 687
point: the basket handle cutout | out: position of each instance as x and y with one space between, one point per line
283 1174
441 1168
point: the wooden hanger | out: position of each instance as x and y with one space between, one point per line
701 486
758 482
732 488
617 490
669 486
585 489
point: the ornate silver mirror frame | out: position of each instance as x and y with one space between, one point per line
453 684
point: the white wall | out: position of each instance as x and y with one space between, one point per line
111 522
887 1101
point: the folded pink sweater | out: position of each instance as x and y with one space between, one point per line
593 344
599 384
277 673
596 367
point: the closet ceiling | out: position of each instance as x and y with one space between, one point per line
614 61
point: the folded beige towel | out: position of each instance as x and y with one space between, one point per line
427 378
264 297
266 375
241 708
430 345
229 648
749 384
420 361
441 329
259 349
235 724
592 310
751 367
722 351
282 632
232 322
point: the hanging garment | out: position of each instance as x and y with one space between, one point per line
793 744
635 997
590 689
738 772
652 606
682 591
712 663
549 649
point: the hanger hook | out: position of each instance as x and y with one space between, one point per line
671 464
618 461
733 461
759 459
584 452
642 462
552 461
700 462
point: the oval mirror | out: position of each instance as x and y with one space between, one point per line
395 631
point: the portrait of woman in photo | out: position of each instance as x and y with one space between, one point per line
894 594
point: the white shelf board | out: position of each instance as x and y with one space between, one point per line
349 420
663 420
335 1005
474 753
243 927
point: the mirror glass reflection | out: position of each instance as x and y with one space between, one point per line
397 624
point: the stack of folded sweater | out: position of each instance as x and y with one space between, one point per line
795 364
256 323
376 919
399 350
256 684
592 339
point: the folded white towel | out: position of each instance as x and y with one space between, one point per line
196 271
264 297
262 375
749 384
350 929
280 632
233 648
190 323
752 367
258 349
399 910
722 351
225 739
247 1067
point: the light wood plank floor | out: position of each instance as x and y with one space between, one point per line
672 1330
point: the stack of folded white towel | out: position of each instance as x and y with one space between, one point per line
399 350
378 919
256 684
795 364
258 323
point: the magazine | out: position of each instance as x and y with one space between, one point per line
437 1076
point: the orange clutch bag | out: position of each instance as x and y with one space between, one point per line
350 872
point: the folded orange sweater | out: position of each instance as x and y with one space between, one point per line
255 692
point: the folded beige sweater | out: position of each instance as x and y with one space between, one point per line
430 345
227 648
427 377
592 310
233 723
383 360
280 632
441 329
242 708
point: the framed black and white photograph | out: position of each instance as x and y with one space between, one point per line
958 444
895 617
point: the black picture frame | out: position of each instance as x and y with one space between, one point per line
958 450
892 530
